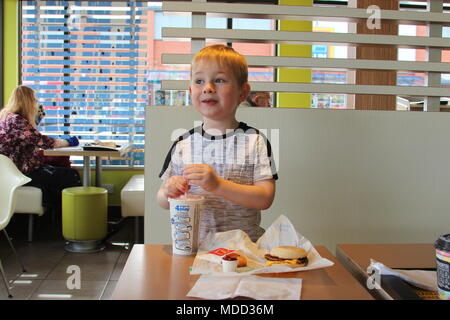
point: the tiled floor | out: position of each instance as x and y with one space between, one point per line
47 262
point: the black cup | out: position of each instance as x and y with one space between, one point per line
442 246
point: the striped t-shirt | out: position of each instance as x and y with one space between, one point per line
242 155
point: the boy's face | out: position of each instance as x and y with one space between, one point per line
214 91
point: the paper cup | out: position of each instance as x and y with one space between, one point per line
229 265
184 219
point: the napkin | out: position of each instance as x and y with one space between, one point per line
281 233
259 288
419 278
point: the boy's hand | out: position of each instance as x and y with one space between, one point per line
202 175
176 186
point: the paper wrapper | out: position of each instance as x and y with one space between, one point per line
259 288
280 233
419 278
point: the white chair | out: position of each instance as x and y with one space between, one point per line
12 178
32 205
132 201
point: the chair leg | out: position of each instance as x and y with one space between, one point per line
5 280
30 227
14 250
54 214
136 230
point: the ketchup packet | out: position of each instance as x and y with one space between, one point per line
221 251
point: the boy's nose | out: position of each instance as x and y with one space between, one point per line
208 88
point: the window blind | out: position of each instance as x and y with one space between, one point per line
86 60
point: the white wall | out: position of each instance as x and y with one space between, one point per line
345 176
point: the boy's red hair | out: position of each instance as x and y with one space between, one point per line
227 57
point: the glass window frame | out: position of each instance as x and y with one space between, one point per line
78 161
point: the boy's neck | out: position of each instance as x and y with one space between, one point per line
221 125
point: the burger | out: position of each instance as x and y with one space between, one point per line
290 255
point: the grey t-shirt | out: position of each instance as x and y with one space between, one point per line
242 156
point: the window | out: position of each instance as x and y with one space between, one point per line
339 101
158 71
256 49
87 61
96 65
321 100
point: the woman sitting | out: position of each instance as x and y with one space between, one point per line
21 142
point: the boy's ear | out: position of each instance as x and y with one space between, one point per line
245 90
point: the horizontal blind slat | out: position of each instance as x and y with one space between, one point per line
292 62
267 36
326 88
283 12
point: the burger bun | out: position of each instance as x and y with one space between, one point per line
288 252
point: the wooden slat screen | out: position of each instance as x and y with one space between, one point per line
262 11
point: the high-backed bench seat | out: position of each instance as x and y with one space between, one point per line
132 200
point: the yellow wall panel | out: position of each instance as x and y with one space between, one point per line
295 50
295 25
295 75
294 100
10 47
296 2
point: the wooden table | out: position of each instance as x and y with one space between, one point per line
87 154
153 273
356 258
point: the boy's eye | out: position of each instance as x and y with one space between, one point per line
220 80
199 81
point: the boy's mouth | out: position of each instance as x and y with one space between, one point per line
209 101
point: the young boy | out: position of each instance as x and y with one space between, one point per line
226 161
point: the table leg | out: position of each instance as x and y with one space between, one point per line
98 172
86 171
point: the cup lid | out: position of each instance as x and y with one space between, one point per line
443 242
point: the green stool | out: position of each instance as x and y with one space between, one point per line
84 218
